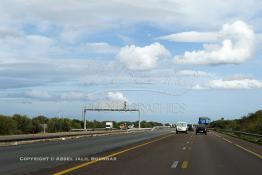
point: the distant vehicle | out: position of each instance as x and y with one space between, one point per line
131 126
201 129
109 125
181 127
123 126
190 127
203 120
202 125
173 125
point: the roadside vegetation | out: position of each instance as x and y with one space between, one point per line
251 123
22 124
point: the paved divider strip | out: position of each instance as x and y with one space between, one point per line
239 146
25 137
28 137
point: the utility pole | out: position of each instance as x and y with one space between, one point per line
139 119
84 117
125 105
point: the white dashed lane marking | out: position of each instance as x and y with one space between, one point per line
174 165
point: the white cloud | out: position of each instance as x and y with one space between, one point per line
17 47
101 14
237 46
38 94
116 96
238 77
7 32
192 36
199 87
53 96
193 73
74 96
142 58
230 84
35 52
56 96
100 48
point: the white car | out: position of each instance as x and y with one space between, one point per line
181 127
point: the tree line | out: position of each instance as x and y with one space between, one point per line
22 124
250 123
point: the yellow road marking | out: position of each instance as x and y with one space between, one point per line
106 157
256 154
184 164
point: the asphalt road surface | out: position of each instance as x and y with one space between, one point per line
29 158
159 152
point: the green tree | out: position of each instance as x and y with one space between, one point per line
250 123
24 124
76 124
37 123
7 125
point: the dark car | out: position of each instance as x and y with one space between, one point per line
201 129
190 127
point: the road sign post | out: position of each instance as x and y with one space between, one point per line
44 126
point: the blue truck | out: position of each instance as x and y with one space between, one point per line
202 125
203 120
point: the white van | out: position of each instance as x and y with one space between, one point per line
181 127
109 125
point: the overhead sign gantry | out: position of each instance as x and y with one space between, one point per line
124 109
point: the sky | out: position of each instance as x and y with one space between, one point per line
174 60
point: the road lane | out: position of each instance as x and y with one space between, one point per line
180 154
218 156
155 158
10 156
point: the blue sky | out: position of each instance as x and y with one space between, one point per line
174 60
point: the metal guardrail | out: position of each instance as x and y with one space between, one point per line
138 129
27 137
148 129
89 131
240 132
160 127
246 133
251 137
74 133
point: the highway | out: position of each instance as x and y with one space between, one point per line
152 152
12 158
